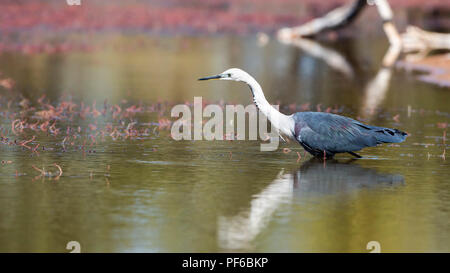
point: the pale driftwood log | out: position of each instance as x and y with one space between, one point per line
395 47
421 42
389 28
336 18
414 40
344 15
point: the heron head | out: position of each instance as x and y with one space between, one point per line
232 74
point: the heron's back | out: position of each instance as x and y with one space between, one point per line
332 133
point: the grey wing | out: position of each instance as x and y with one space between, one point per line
333 133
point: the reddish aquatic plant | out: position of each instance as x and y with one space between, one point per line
299 157
7 83
442 125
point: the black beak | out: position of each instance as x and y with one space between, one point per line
211 77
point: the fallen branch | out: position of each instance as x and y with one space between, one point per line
336 18
341 17
421 42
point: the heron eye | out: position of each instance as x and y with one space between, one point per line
229 75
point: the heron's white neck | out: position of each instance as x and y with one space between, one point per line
281 121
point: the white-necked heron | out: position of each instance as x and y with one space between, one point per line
321 134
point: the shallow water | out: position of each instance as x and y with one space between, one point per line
155 194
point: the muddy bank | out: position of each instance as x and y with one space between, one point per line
436 69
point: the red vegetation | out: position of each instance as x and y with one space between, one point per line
46 120
175 15
40 25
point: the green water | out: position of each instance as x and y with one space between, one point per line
154 194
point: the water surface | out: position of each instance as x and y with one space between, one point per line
154 194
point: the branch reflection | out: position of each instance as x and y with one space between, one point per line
331 57
376 89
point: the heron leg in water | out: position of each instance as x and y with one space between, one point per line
355 154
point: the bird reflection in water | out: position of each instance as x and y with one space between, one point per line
312 178
339 177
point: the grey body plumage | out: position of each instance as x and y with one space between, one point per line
325 134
